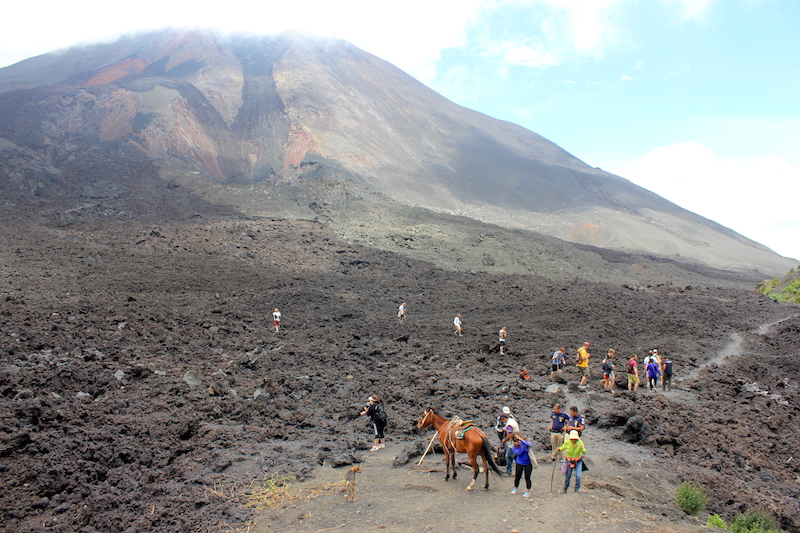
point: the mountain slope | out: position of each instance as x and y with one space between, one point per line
246 109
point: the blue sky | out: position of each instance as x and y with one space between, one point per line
696 100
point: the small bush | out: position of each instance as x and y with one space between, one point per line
690 498
753 521
716 521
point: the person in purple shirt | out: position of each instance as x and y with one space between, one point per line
653 373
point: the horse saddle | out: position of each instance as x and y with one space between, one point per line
463 427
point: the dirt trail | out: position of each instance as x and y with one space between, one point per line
614 498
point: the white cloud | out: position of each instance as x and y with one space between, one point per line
746 195
625 77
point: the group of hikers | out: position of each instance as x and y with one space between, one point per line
655 367
565 442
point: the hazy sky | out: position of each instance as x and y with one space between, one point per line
696 100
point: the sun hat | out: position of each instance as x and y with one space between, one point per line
370 399
506 410
573 435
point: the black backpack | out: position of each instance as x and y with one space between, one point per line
380 413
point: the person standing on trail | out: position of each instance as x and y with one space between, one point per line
576 421
511 427
582 362
520 447
574 449
401 312
558 421
499 426
653 373
377 414
666 374
502 339
557 362
276 320
608 371
457 324
633 374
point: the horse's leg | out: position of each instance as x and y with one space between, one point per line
447 464
485 470
455 465
473 460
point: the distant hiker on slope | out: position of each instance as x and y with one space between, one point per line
608 371
632 371
401 312
666 374
582 362
653 373
557 362
276 320
457 324
502 339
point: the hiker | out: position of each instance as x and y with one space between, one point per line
401 312
503 334
457 324
582 362
558 421
653 373
609 378
575 422
511 427
523 460
374 411
524 375
574 450
666 374
499 426
276 320
557 362
655 357
632 371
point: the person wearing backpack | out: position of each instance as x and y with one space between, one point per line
633 374
609 377
375 411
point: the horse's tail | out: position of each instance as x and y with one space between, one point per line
486 451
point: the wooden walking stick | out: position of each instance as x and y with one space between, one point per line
553 473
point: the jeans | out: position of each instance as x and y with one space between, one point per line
510 455
578 469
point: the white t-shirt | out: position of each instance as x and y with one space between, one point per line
457 321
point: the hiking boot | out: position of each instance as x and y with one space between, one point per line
514 490
565 490
527 494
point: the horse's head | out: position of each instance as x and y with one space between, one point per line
426 419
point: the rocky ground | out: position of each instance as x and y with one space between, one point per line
142 385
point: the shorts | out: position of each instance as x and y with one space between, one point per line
633 378
502 342
584 371
556 367
276 322
609 377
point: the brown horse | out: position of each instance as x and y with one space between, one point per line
473 443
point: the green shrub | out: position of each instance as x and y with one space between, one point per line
716 521
753 521
690 498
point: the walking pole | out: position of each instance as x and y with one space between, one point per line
553 473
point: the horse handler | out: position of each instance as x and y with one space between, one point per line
574 450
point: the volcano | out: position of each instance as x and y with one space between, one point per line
208 111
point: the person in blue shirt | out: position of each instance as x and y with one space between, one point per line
666 374
523 461
576 421
653 373
558 420
557 362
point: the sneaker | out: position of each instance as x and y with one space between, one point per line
382 446
514 490
577 490
375 448
527 494
565 490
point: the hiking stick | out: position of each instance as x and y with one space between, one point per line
553 473
427 449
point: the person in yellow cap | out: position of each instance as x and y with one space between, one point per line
574 450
